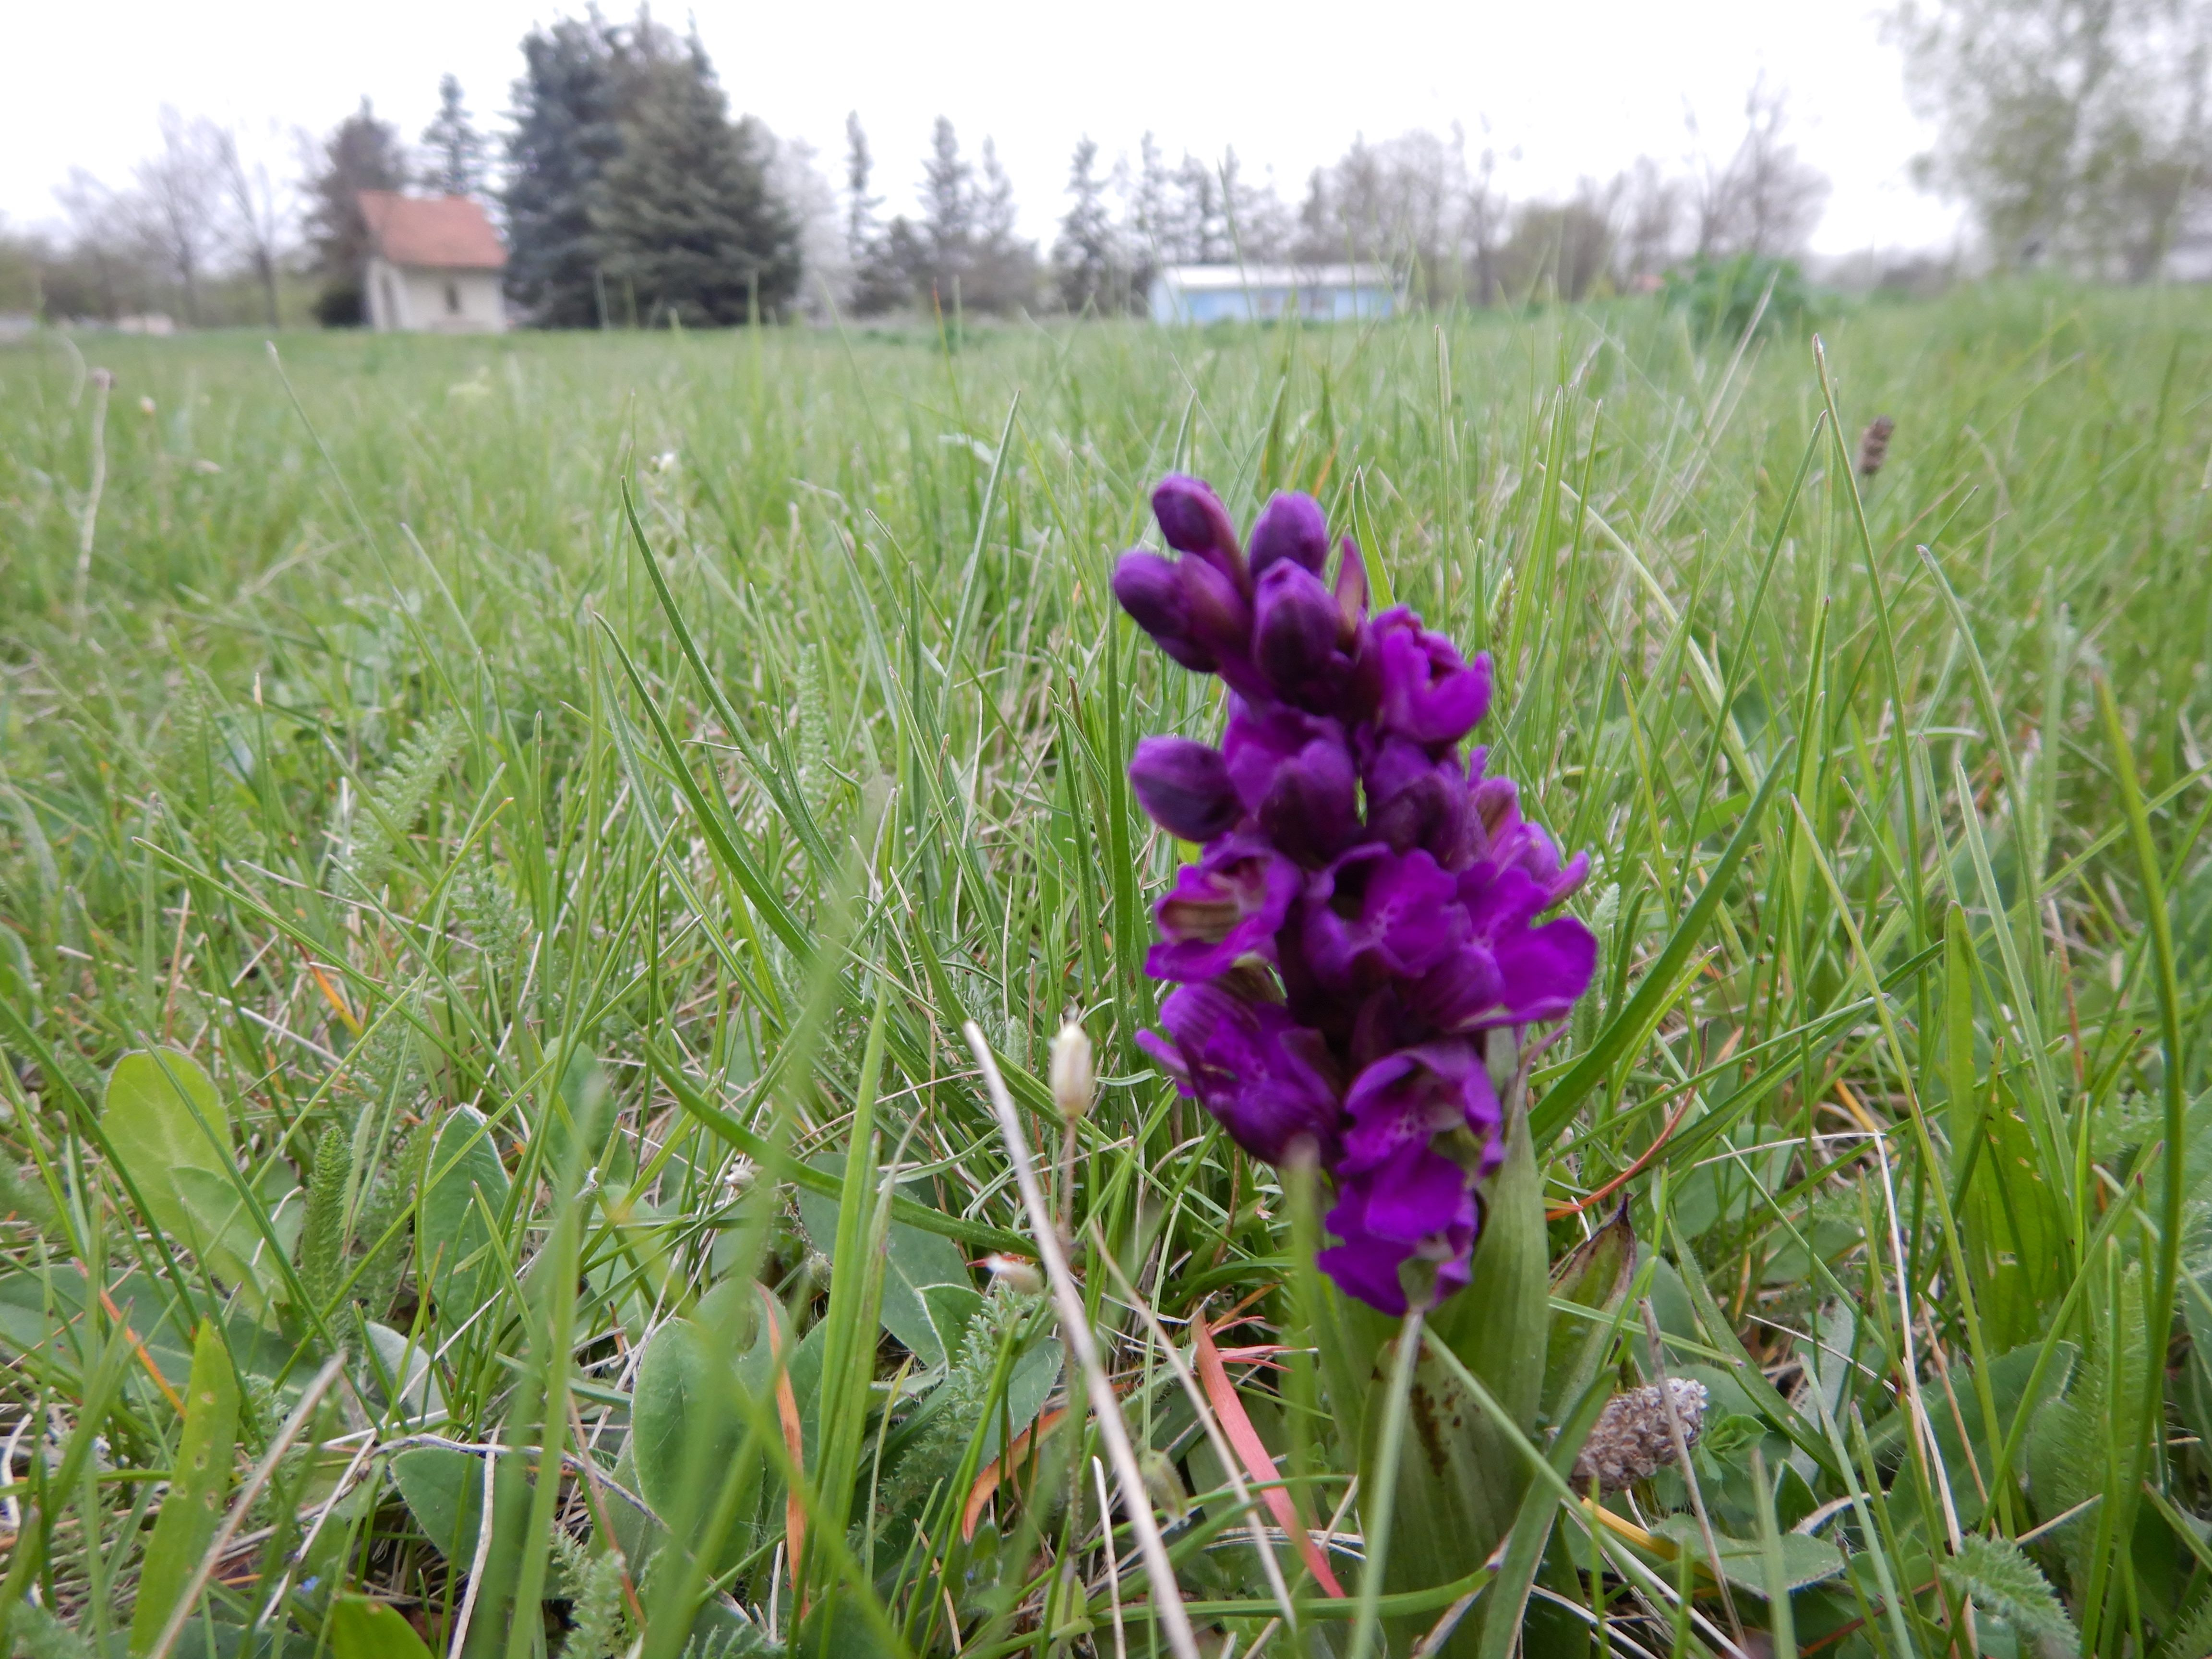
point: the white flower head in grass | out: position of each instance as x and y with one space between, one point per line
1073 1080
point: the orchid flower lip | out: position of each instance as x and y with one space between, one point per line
1370 903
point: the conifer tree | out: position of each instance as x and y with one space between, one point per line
948 216
1003 270
879 282
453 149
860 206
567 129
1085 259
684 214
362 154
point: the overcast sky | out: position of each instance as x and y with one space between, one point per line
1559 90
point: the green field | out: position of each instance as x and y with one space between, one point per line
521 967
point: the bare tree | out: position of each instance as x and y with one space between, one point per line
860 206
180 193
254 218
1561 250
105 244
1767 199
1484 226
1650 219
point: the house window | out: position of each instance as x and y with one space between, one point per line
453 298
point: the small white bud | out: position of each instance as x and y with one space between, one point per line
1021 1276
1074 1081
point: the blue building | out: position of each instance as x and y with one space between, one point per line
1326 294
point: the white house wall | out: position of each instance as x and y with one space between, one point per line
422 299
1171 302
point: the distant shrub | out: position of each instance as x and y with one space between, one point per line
1723 296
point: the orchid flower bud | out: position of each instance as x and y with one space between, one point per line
1152 590
1185 786
1294 624
1193 521
1291 528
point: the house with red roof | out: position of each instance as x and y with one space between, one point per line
433 264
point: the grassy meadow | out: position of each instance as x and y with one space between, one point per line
489 1158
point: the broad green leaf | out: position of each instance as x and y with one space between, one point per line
687 1417
1460 1478
1455 1498
362 1629
444 1492
1499 1326
218 1227
414 1385
1035 1374
2014 1233
1805 1560
464 1168
162 1117
198 1482
929 1294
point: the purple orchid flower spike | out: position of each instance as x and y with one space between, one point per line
1368 907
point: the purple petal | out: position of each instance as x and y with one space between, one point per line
1544 969
1150 589
1226 906
1184 785
1511 972
1351 581
1414 801
1296 628
1501 837
1418 1192
1373 1216
1374 914
1290 527
1270 1080
1428 692
1220 616
1294 773
1193 520
1407 1099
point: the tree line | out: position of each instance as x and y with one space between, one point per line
630 195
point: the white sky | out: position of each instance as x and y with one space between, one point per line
1562 89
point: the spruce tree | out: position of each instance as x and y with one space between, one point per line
1003 270
362 154
860 206
946 236
567 129
686 218
880 281
453 149
1085 258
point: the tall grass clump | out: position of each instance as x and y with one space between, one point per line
541 876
